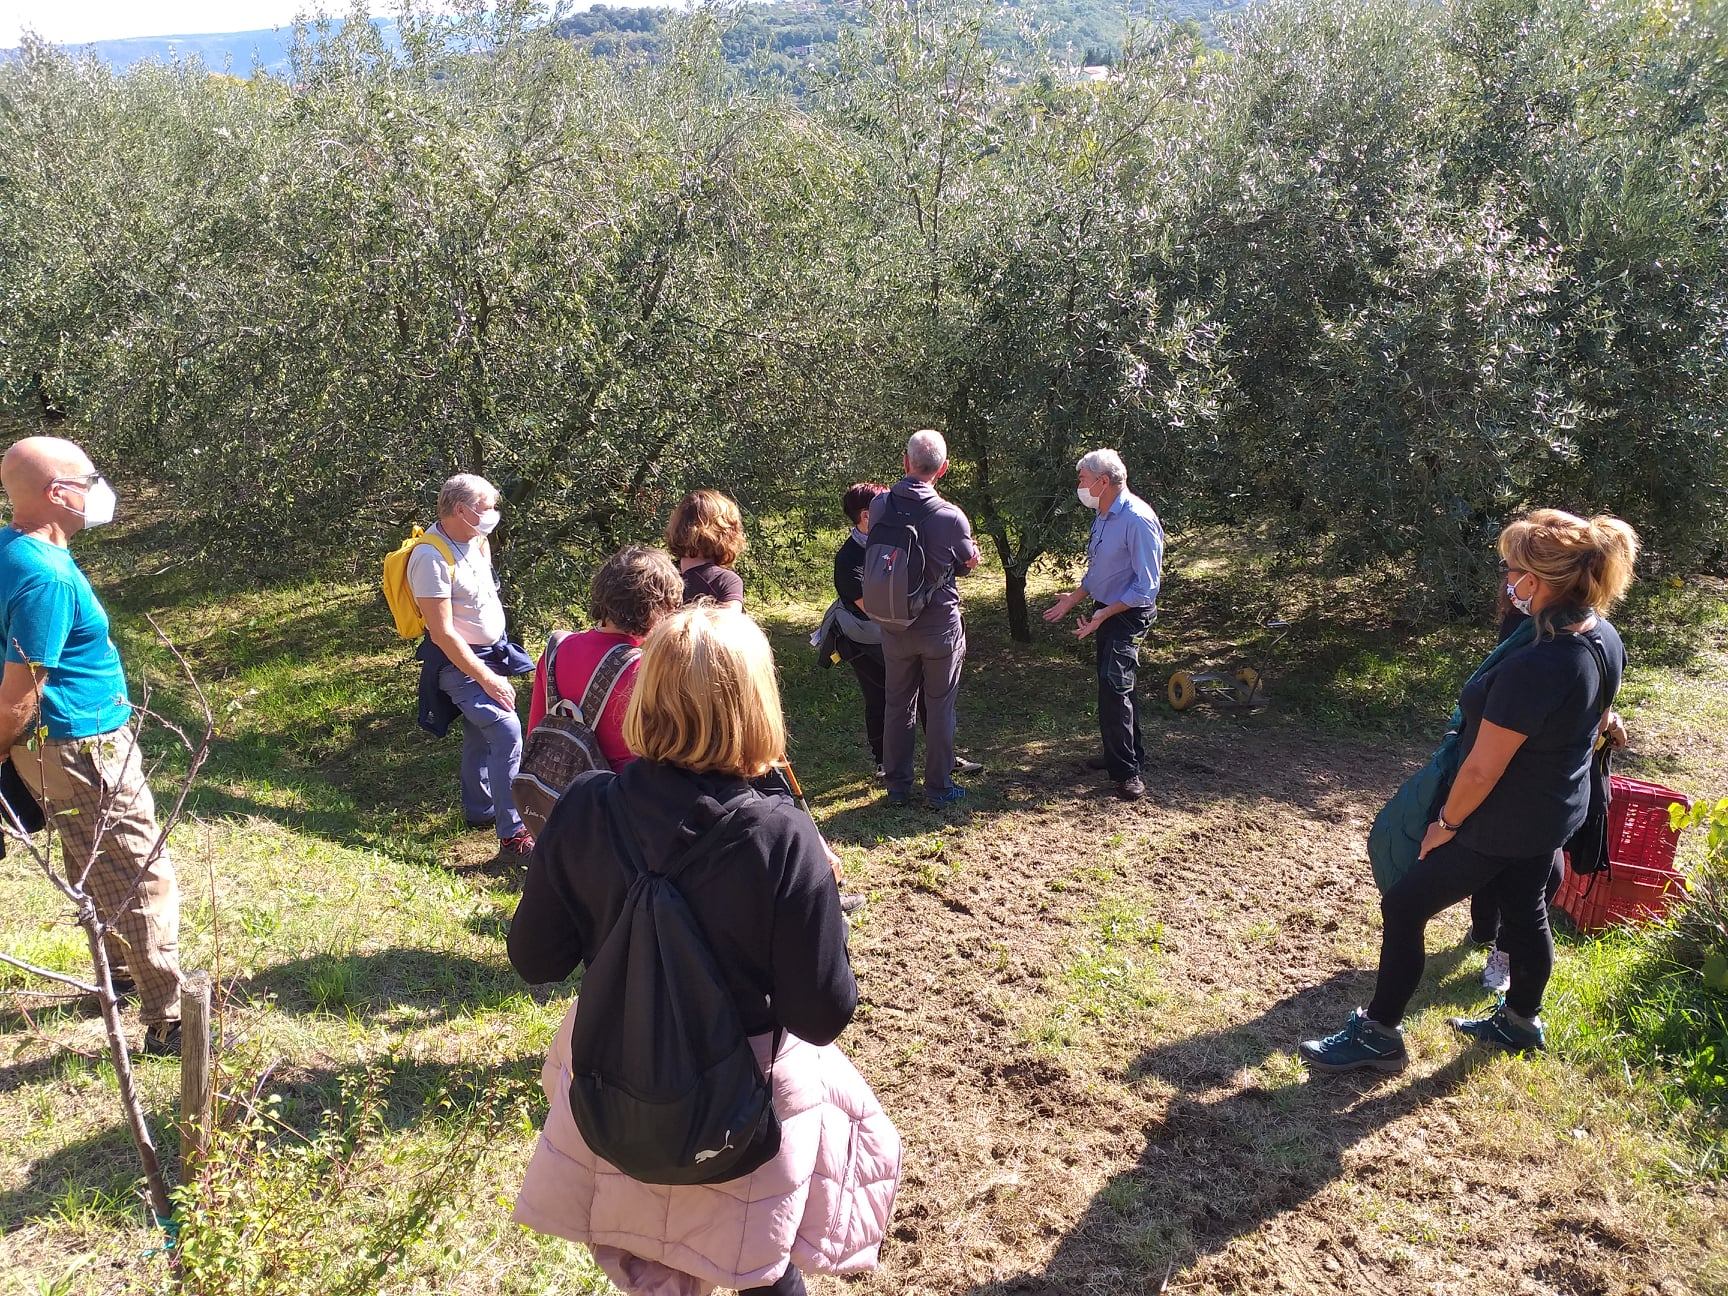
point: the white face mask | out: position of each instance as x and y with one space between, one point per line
99 502
1522 604
486 523
1086 497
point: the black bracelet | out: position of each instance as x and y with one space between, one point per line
1449 827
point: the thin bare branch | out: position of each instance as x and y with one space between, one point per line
83 987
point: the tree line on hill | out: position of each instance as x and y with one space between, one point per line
796 41
1363 281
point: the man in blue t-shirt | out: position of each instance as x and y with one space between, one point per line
67 721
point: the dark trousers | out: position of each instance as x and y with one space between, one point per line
921 666
791 1283
873 682
1118 715
1485 906
1452 873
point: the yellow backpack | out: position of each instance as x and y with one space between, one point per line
409 623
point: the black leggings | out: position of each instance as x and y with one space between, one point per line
1485 906
872 680
791 1284
1516 887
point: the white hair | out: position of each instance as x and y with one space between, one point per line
926 452
466 490
1104 463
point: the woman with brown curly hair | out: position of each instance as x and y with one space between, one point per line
632 592
1531 723
706 536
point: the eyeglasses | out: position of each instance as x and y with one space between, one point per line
86 481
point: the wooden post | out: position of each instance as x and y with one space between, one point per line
195 1075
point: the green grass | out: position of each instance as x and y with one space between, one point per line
1111 975
369 1009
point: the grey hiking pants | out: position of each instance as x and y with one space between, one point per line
921 662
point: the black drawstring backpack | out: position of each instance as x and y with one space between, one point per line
664 1083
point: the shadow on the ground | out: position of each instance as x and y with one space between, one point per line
1225 1159
431 985
400 1095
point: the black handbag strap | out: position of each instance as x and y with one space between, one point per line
1594 644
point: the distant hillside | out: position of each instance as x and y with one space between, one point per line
233 51
790 36
779 37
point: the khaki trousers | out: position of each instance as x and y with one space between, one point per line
102 779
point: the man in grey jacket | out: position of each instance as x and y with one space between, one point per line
926 656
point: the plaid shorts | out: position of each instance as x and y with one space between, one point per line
95 797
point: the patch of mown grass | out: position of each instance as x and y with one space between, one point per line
1112 975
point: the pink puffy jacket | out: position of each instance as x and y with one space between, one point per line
822 1204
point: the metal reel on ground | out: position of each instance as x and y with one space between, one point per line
1182 691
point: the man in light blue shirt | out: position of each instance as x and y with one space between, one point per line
1125 564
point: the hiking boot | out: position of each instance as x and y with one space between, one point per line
162 1040
1502 1029
519 843
852 901
953 794
1131 788
1361 1045
894 797
1497 972
964 766
475 825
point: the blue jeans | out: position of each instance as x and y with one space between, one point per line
491 751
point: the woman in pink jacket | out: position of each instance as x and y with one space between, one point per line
705 721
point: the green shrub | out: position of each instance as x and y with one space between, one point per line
1656 998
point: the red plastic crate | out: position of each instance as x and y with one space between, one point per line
1641 846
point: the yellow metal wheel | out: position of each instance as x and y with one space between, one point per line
1183 694
1248 678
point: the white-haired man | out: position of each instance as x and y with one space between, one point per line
925 656
468 659
64 687
1124 567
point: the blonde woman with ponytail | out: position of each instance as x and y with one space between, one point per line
1531 722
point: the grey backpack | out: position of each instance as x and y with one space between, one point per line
564 743
896 590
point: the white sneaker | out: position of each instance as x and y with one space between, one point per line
1497 972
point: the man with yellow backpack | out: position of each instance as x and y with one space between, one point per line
441 582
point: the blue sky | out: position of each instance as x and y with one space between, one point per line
77 21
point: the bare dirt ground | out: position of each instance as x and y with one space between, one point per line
1081 1015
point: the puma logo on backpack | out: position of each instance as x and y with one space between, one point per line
896 584
564 743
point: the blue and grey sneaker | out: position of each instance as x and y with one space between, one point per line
1361 1045
1503 1029
953 794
